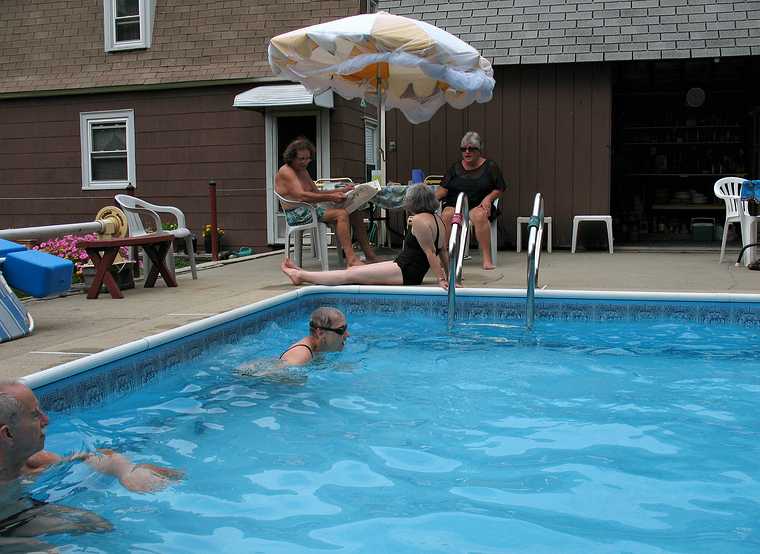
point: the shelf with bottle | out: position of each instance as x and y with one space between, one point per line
694 161
688 207
695 126
715 176
685 135
682 143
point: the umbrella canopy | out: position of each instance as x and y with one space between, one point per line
389 60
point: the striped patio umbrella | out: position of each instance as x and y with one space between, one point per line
388 60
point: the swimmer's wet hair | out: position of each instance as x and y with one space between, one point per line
325 317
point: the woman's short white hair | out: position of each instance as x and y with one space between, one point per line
471 138
420 198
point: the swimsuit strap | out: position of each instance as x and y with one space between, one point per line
297 345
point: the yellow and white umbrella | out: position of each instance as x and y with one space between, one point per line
388 60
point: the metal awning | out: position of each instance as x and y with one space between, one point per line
277 96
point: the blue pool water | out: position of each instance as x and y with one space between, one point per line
581 437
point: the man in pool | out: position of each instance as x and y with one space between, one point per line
22 439
328 332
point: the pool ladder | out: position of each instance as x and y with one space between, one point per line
460 224
535 236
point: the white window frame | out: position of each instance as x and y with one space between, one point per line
371 127
109 27
86 119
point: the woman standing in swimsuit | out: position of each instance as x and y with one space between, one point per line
328 332
424 248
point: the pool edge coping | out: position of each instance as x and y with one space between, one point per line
75 367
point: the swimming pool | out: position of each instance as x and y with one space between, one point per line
621 423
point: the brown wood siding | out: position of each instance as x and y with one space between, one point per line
56 45
548 127
347 140
184 138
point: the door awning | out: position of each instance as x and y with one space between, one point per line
277 96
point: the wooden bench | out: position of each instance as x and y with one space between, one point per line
103 252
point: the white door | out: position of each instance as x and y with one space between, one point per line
282 127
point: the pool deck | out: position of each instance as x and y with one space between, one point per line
71 327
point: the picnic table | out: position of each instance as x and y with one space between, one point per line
103 253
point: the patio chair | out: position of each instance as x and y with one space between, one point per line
133 207
729 189
316 228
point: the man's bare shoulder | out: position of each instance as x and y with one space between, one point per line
41 460
287 171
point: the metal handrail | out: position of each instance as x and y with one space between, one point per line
535 236
460 224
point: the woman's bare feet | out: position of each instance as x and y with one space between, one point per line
354 261
488 266
291 270
374 259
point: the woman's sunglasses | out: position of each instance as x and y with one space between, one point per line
469 149
339 330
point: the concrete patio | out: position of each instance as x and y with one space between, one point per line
71 327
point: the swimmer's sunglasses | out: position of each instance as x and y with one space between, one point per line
339 330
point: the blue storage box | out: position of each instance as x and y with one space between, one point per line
38 273
6 247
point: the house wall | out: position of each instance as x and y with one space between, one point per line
548 127
184 138
52 45
347 140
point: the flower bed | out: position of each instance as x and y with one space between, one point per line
66 247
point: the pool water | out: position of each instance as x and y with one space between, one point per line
579 437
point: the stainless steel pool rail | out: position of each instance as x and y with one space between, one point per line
535 236
460 224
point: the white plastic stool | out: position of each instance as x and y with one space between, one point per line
605 218
547 223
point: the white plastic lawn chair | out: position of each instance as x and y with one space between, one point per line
316 228
729 189
133 207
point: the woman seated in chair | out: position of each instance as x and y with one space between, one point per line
481 180
424 248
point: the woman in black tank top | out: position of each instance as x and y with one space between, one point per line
481 180
424 247
328 331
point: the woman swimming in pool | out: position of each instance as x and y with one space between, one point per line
328 332
424 248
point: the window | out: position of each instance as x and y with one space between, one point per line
127 24
370 146
108 149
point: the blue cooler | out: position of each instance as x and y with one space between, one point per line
38 273
6 247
